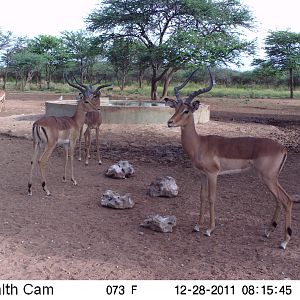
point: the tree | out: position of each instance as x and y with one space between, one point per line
121 55
81 48
283 53
173 31
5 43
5 39
53 51
26 64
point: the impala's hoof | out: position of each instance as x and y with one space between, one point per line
267 233
100 162
283 245
196 228
207 232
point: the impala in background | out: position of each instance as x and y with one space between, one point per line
2 100
93 120
216 155
51 131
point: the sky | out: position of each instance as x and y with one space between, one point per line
34 17
49 17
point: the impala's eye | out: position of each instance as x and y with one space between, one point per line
86 102
185 111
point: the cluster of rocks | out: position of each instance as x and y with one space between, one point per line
161 187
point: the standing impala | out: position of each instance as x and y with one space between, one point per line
216 155
2 100
93 120
51 131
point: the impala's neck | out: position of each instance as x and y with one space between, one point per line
189 137
79 116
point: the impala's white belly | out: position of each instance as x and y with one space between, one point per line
232 166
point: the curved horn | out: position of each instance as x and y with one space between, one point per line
203 90
80 84
97 82
179 87
76 86
102 86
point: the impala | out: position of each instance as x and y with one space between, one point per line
2 100
93 120
216 155
51 131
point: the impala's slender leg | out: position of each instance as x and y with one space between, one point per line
79 139
66 148
212 186
287 204
42 161
274 190
87 137
281 198
33 164
274 221
203 197
72 147
97 146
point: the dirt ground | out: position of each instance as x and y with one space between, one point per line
70 236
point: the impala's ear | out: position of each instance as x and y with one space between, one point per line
195 105
170 102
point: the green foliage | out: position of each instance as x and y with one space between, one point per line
53 51
5 39
283 49
81 49
176 32
26 64
283 53
121 54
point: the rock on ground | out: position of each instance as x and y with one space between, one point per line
160 223
114 200
163 187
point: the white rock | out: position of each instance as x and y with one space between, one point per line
121 170
114 200
160 223
163 187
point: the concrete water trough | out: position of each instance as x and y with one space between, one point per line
126 111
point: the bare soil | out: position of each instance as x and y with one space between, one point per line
70 236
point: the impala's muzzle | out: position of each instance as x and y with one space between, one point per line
170 123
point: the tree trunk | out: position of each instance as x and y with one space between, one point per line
291 83
81 71
4 79
123 82
154 83
166 83
48 76
153 89
141 78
